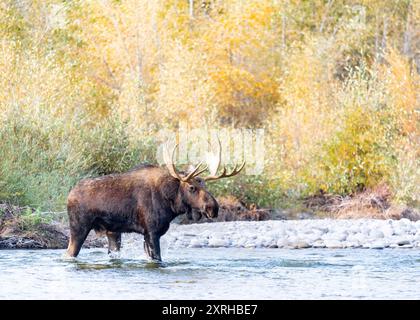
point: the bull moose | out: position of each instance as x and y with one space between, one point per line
144 200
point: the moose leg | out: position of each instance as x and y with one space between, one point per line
152 246
146 248
77 237
114 241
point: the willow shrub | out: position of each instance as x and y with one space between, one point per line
358 156
41 163
33 168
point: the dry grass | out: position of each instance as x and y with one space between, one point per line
372 203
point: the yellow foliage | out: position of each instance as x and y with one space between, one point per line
403 86
93 80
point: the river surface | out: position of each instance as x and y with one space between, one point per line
212 273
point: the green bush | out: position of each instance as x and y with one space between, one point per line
358 156
107 148
30 220
251 189
33 169
41 163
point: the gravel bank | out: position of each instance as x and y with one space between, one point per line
298 234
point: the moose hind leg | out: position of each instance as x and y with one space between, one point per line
114 241
152 246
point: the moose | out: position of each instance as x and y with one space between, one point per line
144 200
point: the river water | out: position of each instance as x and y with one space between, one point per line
212 273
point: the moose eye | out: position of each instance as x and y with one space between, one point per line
191 188
200 181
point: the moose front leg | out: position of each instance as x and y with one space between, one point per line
152 246
114 241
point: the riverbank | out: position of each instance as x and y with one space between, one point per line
25 228
298 234
21 228
290 234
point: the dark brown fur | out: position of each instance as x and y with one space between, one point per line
144 200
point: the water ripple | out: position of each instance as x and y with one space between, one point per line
222 273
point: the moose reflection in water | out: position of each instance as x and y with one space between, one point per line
144 200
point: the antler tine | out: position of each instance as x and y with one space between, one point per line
241 167
219 157
213 173
194 173
169 161
234 172
170 165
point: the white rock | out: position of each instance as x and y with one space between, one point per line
402 241
365 230
359 237
402 226
196 243
299 244
322 229
355 229
377 245
282 243
407 246
275 234
318 244
405 221
312 237
387 231
239 242
376 234
291 233
266 241
217 242
258 243
328 236
411 229
333 244
250 244
340 236
399 231
351 244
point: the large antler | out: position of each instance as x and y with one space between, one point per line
214 167
168 158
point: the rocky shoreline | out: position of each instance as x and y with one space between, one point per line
298 234
18 231
55 238
287 234
23 228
